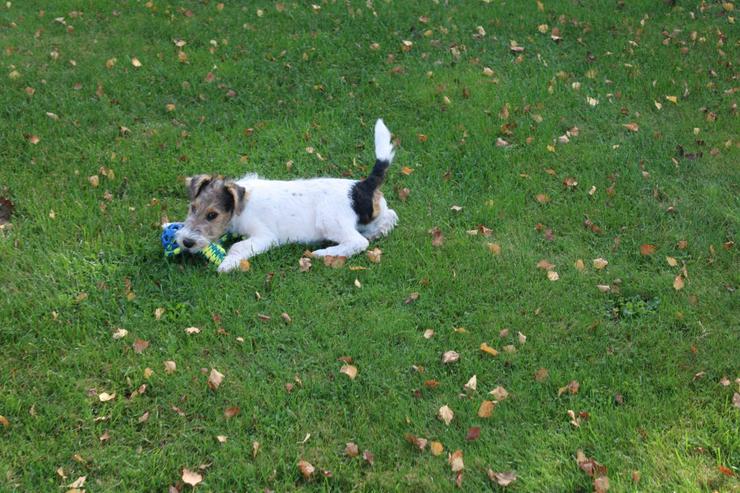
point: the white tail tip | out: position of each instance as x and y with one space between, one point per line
383 145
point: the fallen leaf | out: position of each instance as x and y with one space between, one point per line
604 288
428 334
222 438
351 450
647 249
368 457
632 127
191 478
105 396
545 265
436 448
411 298
403 194
94 180
456 461
672 99
78 483
307 470
374 255
406 170
135 62
437 236
678 282
140 345
486 409
349 370
472 384
542 198
158 313
255 449
494 248
509 348
120 333
589 466
4 421
473 433
334 262
445 414
601 484
192 330
552 275
215 378
148 372
502 478
488 349
521 337
144 417
230 412
736 400
541 374
580 265
499 393
304 264
417 442
572 387
450 357
600 263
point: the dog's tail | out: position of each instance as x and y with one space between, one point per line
363 192
384 153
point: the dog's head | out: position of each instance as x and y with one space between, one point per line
214 201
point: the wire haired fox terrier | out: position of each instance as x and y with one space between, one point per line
269 213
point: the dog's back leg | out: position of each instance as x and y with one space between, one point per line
351 243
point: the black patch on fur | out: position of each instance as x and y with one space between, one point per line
197 186
362 192
228 197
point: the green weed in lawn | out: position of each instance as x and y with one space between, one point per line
559 130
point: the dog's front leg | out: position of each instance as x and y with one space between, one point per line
243 250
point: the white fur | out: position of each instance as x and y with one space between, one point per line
306 211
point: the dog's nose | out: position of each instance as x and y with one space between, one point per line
188 243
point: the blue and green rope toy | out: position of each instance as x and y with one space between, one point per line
214 252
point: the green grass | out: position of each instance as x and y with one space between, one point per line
305 78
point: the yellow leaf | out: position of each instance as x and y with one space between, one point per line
678 283
436 448
349 370
672 99
488 349
486 409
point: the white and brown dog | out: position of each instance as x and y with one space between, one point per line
271 212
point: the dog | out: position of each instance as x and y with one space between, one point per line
270 213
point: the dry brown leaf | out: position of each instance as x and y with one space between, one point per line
351 450
232 411
678 282
600 263
502 478
632 127
78 483
509 348
542 198
140 345
191 478
450 357
473 433
335 262
374 255
406 170
349 370
545 265
307 470
572 387
215 378
580 265
647 249
521 338
120 333
541 375
499 393
456 461
411 298
4 421
494 248
437 236
445 414
436 448
368 457
403 194
105 396
486 409
304 264
488 349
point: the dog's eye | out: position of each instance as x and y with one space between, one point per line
211 216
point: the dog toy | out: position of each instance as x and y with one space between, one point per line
214 252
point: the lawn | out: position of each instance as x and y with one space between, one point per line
567 183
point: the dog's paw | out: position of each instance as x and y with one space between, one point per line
321 253
228 264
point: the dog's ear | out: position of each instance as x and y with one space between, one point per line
196 183
235 197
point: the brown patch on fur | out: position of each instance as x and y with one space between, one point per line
377 196
214 204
